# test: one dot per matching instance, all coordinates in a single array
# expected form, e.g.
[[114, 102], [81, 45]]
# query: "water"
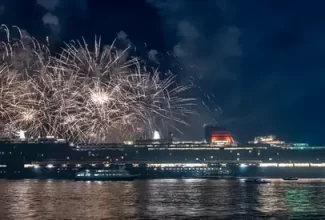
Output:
[[162, 199]]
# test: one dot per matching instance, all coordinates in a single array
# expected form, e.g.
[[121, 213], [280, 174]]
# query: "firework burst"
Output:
[[85, 95]]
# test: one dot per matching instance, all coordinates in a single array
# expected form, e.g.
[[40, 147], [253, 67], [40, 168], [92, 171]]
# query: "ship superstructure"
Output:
[[52, 158]]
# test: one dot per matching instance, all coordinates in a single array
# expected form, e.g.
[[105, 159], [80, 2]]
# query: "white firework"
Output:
[[86, 95]]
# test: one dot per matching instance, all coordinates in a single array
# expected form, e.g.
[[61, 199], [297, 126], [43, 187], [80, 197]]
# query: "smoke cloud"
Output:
[[50, 20], [48, 4], [209, 51], [153, 56]]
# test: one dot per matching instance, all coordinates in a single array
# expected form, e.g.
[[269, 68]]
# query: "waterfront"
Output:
[[156, 199]]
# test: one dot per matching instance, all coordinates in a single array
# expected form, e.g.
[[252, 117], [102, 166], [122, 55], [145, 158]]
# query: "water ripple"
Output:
[[161, 199]]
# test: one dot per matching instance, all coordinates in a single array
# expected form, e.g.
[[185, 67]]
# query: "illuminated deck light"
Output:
[[49, 166], [268, 165]]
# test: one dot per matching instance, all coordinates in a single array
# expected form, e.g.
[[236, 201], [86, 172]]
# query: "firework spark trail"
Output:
[[84, 95]]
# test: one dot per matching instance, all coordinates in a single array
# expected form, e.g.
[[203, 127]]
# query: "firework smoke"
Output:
[[84, 95]]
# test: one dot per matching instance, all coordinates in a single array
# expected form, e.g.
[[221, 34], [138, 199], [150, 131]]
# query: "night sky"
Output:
[[259, 67]]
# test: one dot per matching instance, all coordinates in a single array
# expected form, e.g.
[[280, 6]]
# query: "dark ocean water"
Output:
[[162, 199]]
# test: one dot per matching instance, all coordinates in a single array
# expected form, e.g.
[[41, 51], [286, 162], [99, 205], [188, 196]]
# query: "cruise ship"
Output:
[[218, 156]]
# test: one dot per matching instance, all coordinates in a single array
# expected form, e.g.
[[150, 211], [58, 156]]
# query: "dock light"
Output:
[[49, 166], [36, 166], [243, 165]]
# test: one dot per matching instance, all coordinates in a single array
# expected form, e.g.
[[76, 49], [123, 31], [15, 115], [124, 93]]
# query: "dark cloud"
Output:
[[50, 20], [153, 56], [204, 48], [2, 10], [57, 15], [208, 50], [260, 60], [257, 67], [123, 39], [48, 4]]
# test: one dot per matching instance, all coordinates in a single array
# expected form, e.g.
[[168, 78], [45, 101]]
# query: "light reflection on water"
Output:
[[156, 199]]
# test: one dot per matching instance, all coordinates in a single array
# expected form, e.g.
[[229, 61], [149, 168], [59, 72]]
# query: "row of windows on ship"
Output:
[[171, 154], [161, 168], [188, 147], [188, 168], [91, 154], [109, 171], [122, 157], [101, 174]]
